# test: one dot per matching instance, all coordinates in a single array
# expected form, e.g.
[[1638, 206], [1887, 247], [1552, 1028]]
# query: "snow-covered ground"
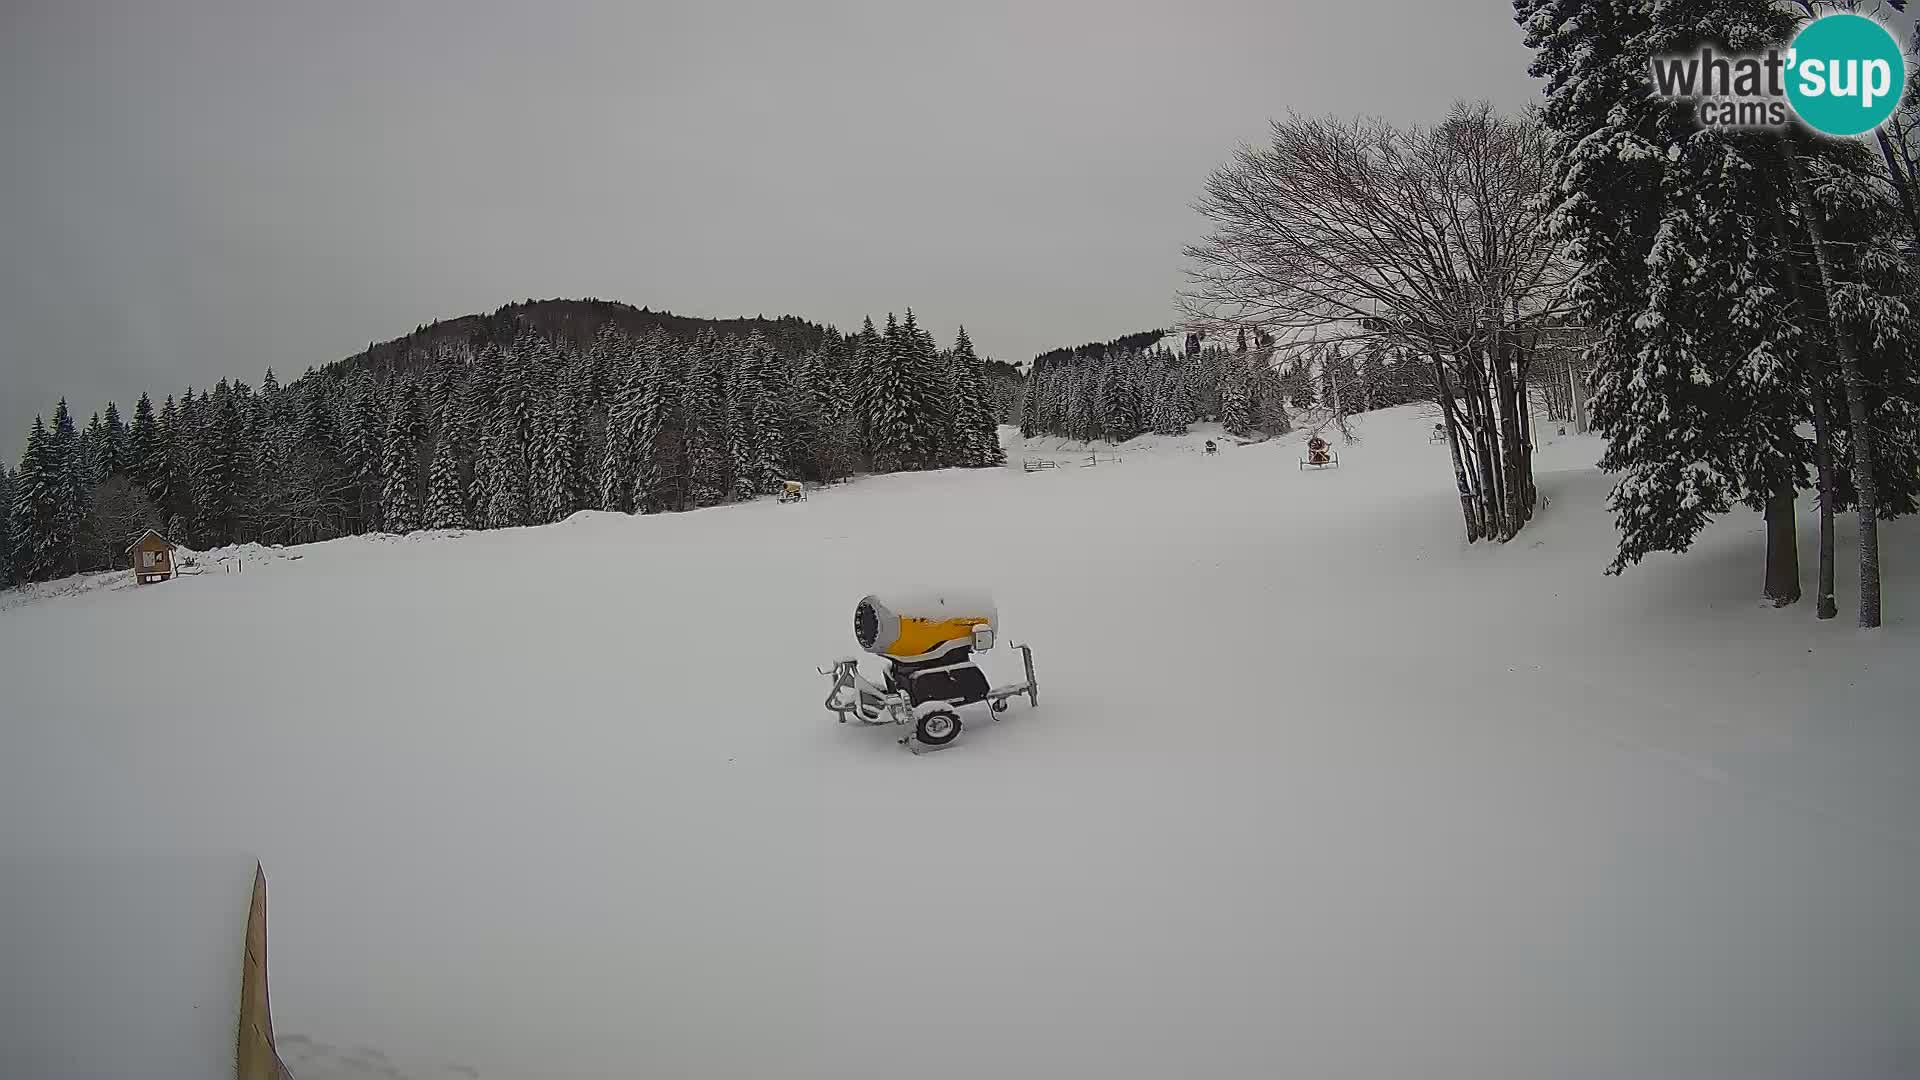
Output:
[[1313, 788]]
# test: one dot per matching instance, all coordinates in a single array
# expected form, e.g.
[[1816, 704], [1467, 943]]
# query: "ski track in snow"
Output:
[[1314, 788]]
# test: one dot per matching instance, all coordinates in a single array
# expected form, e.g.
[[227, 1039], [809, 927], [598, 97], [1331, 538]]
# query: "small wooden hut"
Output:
[[151, 557]]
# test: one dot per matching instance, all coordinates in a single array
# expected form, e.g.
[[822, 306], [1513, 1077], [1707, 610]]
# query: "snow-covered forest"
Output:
[[1140, 383], [511, 424]]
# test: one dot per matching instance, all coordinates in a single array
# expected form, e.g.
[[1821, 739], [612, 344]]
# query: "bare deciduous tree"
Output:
[[1428, 242]]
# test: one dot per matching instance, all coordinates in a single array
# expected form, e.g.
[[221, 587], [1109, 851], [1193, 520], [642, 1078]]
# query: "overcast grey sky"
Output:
[[193, 189]]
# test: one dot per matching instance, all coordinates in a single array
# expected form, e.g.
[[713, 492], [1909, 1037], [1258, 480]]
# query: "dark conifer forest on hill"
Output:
[[522, 416]]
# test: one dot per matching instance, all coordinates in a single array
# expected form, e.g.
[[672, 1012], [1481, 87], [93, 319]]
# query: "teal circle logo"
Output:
[[1845, 74]]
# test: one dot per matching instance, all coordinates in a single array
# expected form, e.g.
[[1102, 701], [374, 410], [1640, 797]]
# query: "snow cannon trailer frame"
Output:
[[928, 645]]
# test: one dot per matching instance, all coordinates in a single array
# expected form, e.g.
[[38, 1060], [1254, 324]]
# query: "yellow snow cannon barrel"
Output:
[[921, 626]]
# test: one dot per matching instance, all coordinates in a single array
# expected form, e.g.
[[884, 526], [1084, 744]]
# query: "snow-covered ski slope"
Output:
[[1313, 788]]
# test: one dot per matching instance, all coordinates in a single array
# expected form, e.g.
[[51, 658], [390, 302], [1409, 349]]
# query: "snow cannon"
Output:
[[915, 628], [927, 640]]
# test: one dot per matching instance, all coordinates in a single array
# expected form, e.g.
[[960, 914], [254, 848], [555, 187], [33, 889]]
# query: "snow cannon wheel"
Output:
[[937, 727]]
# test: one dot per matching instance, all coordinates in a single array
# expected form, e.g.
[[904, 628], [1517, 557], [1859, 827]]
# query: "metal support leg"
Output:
[[1033, 684]]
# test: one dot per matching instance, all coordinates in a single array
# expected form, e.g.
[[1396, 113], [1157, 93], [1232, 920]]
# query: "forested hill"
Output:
[[1125, 343], [521, 417], [569, 323]]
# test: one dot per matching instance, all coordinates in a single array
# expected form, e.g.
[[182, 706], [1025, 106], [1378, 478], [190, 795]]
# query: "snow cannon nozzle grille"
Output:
[[866, 624]]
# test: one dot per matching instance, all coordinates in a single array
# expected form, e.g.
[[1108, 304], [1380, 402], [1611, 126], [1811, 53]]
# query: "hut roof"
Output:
[[143, 539]]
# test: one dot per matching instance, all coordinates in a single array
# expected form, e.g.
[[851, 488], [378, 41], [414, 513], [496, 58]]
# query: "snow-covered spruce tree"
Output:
[[1153, 377], [1206, 371], [113, 450], [1059, 403], [440, 383], [143, 438], [702, 424], [446, 488], [753, 435], [400, 504], [960, 410], [884, 398], [778, 457], [500, 478], [93, 449], [736, 424], [833, 419], [184, 442], [979, 427], [806, 409], [660, 372], [220, 477], [1077, 394], [323, 486], [902, 425], [1236, 398], [160, 472], [1110, 401], [919, 376], [68, 477], [590, 387], [40, 492], [6, 525], [473, 405], [502, 491], [271, 457], [1269, 395], [89, 471], [521, 390], [618, 354], [869, 352], [558, 478], [1033, 406], [608, 363], [362, 419], [1167, 407], [1679, 284], [950, 443]]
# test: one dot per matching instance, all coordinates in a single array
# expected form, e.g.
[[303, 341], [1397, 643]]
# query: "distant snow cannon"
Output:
[[927, 639]]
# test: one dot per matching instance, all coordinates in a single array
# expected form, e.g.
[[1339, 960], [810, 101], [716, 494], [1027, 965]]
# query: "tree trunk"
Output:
[[1468, 511], [1866, 491], [1823, 606], [1506, 370], [1577, 387], [1480, 412], [1512, 436], [1531, 494], [1783, 549]]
